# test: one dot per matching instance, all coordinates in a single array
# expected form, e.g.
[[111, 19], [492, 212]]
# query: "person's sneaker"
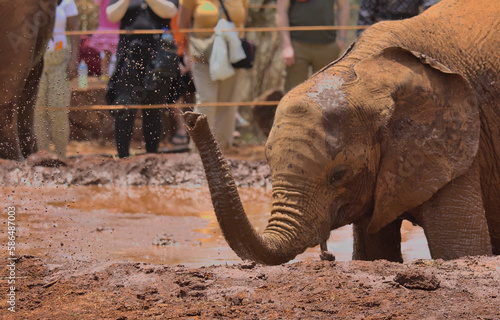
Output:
[[179, 139]]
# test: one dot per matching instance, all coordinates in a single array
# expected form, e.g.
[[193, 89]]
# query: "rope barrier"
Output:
[[273, 6], [211, 30], [172, 105], [261, 6]]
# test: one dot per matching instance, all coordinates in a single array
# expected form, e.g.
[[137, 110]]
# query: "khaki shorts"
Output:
[[309, 55]]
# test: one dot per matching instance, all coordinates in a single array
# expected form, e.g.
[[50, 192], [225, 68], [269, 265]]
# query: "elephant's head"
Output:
[[366, 137]]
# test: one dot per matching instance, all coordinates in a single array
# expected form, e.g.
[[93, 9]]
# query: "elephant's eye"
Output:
[[337, 175]]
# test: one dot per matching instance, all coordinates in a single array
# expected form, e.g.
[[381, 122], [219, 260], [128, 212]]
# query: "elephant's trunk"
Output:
[[280, 242]]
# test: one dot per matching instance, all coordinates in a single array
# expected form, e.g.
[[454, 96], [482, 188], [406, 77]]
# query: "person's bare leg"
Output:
[[105, 61]]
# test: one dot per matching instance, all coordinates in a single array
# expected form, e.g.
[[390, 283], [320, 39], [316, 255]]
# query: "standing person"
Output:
[[372, 11], [105, 43], [205, 14], [304, 49], [54, 93], [133, 81]]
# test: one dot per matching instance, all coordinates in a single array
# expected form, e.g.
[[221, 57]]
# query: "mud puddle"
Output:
[[160, 225]]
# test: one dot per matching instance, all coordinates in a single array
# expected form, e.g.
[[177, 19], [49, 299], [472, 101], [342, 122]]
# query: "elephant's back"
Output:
[[460, 34]]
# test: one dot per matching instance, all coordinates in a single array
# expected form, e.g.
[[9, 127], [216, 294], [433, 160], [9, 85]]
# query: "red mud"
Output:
[[101, 238]]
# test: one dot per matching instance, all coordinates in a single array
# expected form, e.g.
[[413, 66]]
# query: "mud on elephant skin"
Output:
[[25, 29], [404, 126]]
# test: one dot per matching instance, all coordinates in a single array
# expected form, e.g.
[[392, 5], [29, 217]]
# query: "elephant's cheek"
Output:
[[357, 199]]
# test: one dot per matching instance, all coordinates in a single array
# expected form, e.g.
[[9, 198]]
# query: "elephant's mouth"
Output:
[[339, 215]]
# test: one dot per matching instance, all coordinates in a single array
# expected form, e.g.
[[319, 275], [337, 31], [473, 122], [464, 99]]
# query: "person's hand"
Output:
[[288, 56], [72, 69], [186, 66], [341, 44]]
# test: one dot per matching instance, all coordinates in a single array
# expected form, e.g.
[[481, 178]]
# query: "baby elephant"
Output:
[[406, 125]]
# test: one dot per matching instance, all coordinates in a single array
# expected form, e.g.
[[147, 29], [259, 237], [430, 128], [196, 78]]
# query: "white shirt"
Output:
[[66, 9]]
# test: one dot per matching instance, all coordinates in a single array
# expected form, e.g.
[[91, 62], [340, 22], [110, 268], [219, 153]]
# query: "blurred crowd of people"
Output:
[[133, 79]]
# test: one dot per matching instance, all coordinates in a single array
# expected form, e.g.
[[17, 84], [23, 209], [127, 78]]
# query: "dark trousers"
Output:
[[151, 129], [134, 83]]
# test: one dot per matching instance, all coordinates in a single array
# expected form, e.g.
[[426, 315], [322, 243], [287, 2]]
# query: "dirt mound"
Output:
[[44, 169], [304, 290]]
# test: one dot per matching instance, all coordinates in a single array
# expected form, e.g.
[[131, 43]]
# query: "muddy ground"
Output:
[[70, 264]]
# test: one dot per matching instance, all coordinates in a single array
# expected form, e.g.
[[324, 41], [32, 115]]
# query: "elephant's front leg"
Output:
[[384, 244], [25, 121], [454, 219], [9, 139]]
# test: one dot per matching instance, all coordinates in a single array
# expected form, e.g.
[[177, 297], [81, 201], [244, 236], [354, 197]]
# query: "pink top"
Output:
[[104, 23]]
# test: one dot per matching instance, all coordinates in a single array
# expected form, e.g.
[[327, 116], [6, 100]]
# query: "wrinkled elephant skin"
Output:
[[406, 125], [25, 29]]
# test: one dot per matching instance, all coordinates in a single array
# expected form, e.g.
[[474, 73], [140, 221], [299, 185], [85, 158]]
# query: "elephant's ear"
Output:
[[429, 133]]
